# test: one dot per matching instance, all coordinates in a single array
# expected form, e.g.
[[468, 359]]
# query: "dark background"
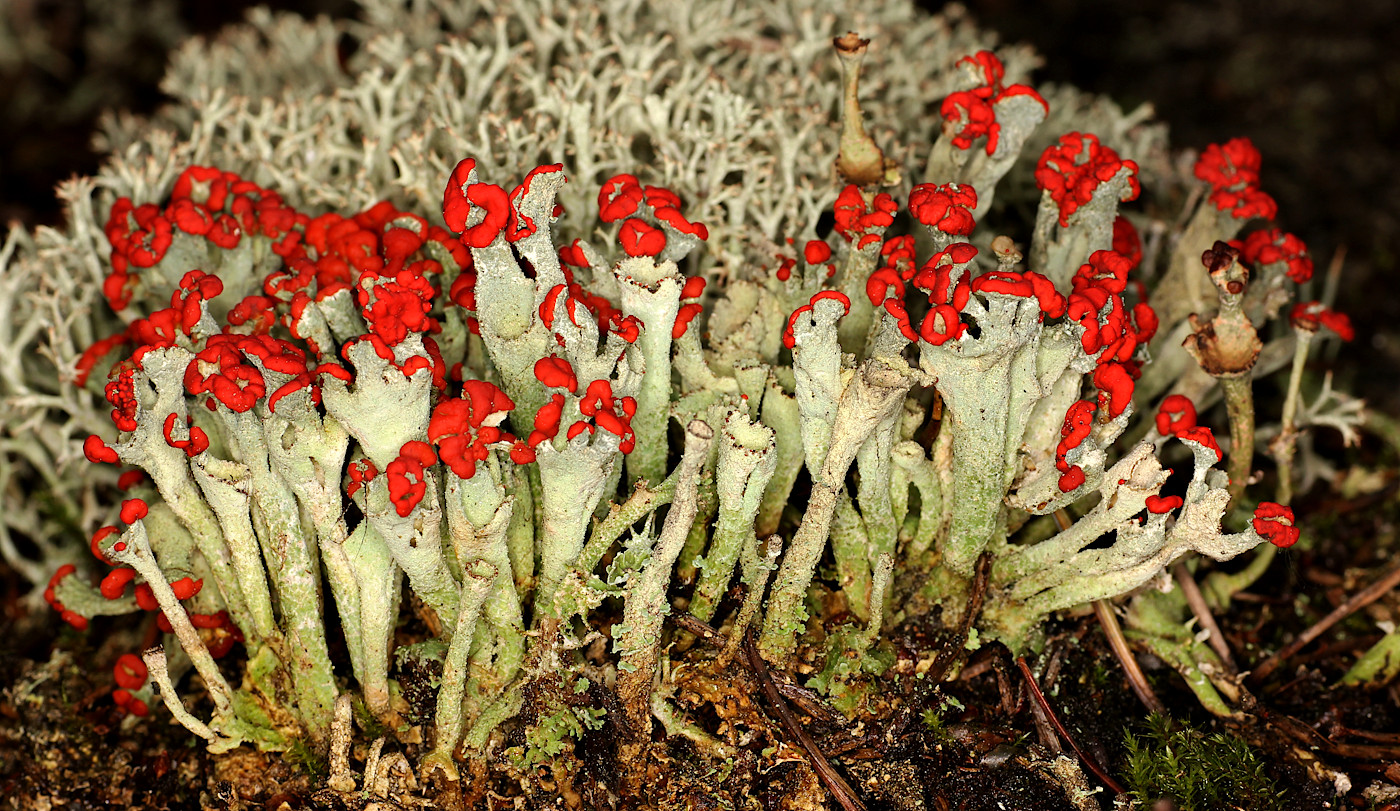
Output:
[[1315, 85]]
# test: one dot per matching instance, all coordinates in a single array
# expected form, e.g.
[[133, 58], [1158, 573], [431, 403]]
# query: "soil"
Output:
[[1315, 89]]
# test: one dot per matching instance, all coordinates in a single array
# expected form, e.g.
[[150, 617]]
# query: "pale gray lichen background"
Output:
[[733, 105]]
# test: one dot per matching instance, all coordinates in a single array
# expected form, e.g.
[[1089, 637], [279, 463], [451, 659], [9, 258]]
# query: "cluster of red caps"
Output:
[[219, 632], [206, 204], [1074, 167], [1232, 170], [974, 110]]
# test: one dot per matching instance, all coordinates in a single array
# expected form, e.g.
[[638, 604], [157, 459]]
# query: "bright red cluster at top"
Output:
[[862, 223], [206, 205], [624, 198], [1268, 246], [1313, 315], [947, 207], [1232, 170], [974, 111], [1074, 167]]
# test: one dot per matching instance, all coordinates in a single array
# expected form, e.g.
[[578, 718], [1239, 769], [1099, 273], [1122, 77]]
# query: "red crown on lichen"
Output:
[[1274, 522], [1232, 170], [972, 112], [1074, 167]]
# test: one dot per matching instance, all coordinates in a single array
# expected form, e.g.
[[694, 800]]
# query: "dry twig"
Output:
[[1357, 601], [1090, 763]]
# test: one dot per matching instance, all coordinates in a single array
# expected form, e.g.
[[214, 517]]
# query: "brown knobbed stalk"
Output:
[[1226, 347], [860, 160]]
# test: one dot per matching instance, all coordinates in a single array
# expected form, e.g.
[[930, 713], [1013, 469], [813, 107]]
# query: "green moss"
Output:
[[1197, 772]]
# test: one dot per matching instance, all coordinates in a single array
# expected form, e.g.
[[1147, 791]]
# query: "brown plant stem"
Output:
[[1203, 615], [1104, 777], [834, 782]]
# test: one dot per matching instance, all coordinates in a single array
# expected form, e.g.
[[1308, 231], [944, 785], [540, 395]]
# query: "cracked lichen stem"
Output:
[[448, 722], [645, 608], [160, 675]]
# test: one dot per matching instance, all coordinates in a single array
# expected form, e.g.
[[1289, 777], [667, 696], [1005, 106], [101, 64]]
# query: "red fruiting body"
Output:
[[973, 109], [1234, 163], [574, 255], [628, 328], [407, 477], [1073, 168], [884, 284], [145, 598], [362, 471], [98, 538], [1274, 522], [76, 620], [941, 325], [186, 587], [936, 276], [947, 207], [520, 226], [1126, 242], [694, 287], [464, 429], [521, 453], [399, 306], [1071, 479], [671, 216], [896, 308], [121, 393], [114, 584], [1313, 315], [98, 452], [1115, 385], [547, 420], [460, 198], [1232, 170], [1025, 284], [1176, 414], [789, 339], [1269, 246], [640, 239], [1203, 436], [1162, 504], [785, 266], [619, 197], [129, 671], [220, 369], [556, 372], [133, 510], [856, 222], [612, 415], [1079, 422], [683, 318], [816, 251]]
